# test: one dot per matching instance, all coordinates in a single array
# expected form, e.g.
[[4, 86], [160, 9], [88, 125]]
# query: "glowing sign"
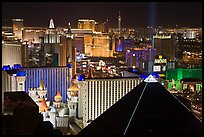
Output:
[[162, 37], [160, 61], [157, 68]]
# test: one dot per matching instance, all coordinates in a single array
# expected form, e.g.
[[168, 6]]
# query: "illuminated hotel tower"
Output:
[[119, 22], [96, 95], [51, 36], [68, 51], [18, 28]]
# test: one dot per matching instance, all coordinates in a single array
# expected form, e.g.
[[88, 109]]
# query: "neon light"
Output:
[[81, 78], [6, 67], [16, 66], [21, 73], [69, 65]]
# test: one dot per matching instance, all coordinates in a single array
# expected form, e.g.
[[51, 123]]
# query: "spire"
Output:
[[69, 33], [51, 26], [42, 86], [119, 22], [58, 97], [58, 93], [43, 106]]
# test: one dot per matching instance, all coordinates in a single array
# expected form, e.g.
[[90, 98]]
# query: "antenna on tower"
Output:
[[119, 22]]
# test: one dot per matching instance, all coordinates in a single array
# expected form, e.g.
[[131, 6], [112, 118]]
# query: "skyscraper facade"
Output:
[[97, 95]]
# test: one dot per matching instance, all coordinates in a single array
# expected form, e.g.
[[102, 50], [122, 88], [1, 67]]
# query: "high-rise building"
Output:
[[97, 95], [33, 34], [140, 58], [51, 35], [11, 53], [98, 45], [67, 50], [86, 24], [165, 45], [18, 28], [14, 82], [55, 78]]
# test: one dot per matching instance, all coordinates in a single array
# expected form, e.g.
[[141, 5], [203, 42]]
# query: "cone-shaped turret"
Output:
[[58, 97], [42, 85], [51, 26], [73, 90], [43, 106]]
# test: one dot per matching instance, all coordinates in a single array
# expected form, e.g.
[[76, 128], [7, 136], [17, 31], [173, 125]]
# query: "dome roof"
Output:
[[73, 88], [58, 94], [53, 109]]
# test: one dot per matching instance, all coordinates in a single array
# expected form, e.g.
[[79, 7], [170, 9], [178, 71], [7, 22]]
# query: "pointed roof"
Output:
[[51, 25], [42, 85], [150, 79], [148, 109], [43, 106], [58, 94], [73, 88]]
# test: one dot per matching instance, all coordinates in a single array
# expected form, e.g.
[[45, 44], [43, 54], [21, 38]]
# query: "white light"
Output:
[[150, 79], [133, 54]]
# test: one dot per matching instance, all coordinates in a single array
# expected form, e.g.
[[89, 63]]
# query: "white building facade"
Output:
[[97, 95]]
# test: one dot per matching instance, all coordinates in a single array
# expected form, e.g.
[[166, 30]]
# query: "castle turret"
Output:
[[42, 91], [72, 100], [43, 106], [58, 100]]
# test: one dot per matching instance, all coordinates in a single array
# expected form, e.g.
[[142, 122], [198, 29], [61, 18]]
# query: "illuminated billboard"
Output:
[[162, 61], [157, 68]]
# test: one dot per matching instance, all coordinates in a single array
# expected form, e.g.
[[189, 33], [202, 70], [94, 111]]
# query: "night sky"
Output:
[[134, 14]]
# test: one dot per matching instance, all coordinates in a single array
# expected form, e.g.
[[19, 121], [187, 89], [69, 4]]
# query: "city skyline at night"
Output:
[[69, 68], [134, 14]]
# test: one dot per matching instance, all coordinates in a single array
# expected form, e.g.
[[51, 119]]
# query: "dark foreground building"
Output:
[[21, 116], [149, 109]]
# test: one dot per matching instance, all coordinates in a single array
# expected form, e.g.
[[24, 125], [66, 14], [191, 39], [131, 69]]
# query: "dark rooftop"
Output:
[[149, 109]]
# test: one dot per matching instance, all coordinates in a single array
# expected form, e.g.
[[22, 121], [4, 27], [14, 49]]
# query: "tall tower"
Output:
[[68, 51], [119, 22]]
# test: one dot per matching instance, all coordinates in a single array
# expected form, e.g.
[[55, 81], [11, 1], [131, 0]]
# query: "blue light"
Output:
[[6, 67], [16, 66], [134, 70], [21, 73], [69, 65], [154, 74], [144, 76], [81, 78]]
